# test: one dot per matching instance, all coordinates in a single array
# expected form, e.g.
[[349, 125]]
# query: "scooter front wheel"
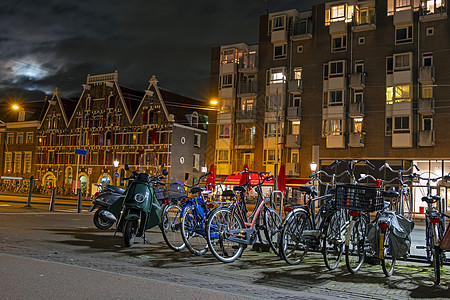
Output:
[[99, 222], [129, 232]]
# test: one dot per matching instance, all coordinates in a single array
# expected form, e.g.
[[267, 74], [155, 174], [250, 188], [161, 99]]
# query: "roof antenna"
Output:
[[267, 6]]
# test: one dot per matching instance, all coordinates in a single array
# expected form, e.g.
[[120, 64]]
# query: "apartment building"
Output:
[[346, 79], [111, 122]]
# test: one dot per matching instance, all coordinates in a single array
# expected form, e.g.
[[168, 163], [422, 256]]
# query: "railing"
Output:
[[246, 114], [302, 27], [248, 87], [103, 77], [294, 112], [426, 105], [295, 86], [364, 17]]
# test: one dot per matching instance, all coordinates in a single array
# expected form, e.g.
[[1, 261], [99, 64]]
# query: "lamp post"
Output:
[[116, 165], [21, 110]]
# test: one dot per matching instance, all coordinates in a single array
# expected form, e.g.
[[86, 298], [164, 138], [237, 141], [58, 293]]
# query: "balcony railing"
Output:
[[248, 63], [295, 86], [358, 81], [293, 140], [364, 19], [302, 30], [249, 115], [432, 13], [245, 141], [356, 139], [426, 75], [248, 87], [426, 138], [294, 113], [426, 106], [356, 110]]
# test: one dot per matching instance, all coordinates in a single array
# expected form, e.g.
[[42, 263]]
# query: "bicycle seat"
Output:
[[309, 189], [239, 188], [228, 193], [391, 193], [431, 199], [197, 189]]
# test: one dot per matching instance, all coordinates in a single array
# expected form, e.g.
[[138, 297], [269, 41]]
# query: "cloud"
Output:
[[49, 43]]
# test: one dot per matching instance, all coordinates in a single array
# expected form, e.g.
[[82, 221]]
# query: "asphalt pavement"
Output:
[[54, 255]]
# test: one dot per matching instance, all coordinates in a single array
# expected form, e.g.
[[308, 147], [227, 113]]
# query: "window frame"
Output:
[[283, 54], [402, 67], [343, 43], [334, 73], [409, 34], [404, 122]]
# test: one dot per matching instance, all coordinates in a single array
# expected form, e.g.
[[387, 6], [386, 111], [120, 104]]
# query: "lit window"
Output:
[[277, 75], [269, 156], [389, 95], [427, 92], [228, 56], [222, 156], [224, 131], [337, 13], [333, 127], [357, 125], [20, 138], [270, 130], [401, 93]]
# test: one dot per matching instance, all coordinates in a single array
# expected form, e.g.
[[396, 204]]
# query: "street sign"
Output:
[[89, 171], [80, 152], [116, 175]]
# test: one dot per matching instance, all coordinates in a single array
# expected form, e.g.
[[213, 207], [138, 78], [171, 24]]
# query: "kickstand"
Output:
[[145, 240]]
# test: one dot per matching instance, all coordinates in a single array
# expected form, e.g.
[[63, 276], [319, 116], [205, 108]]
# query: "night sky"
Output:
[[57, 43]]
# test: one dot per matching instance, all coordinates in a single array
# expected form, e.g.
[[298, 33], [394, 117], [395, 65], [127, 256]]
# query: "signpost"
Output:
[[79, 152]]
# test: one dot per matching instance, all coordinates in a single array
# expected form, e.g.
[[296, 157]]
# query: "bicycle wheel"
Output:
[[219, 225], [171, 227], [193, 230], [386, 258], [260, 230], [292, 246], [333, 242], [272, 224], [354, 251], [435, 253]]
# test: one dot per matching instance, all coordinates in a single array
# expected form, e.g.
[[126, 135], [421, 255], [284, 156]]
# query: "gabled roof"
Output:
[[131, 98], [66, 106]]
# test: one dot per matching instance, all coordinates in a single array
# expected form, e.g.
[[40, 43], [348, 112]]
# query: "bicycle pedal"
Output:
[[421, 247]]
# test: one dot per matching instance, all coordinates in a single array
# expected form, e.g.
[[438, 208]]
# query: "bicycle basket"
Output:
[[177, 190], [359, 198], [160, 193]]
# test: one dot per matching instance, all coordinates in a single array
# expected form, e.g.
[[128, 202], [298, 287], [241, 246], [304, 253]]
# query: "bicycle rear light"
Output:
[[353, 213], [383, 225], [435, 220]]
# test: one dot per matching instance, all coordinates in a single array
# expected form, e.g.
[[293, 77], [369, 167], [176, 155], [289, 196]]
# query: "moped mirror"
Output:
[[126, 167], [186, 176], [163, 165], [165, 172]]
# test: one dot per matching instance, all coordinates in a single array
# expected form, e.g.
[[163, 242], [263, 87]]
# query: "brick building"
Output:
[[114, 123], [346, 79]]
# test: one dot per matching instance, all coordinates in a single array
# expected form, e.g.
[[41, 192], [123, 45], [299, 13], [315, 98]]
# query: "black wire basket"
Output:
[[359, 198]]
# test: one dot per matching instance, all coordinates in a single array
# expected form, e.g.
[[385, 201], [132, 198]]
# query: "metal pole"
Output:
[[30, 189], [52, 200], [80, 202], [76, 178]]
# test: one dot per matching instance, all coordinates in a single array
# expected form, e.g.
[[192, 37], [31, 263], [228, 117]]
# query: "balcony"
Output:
[[358, 81], [279, 36], [247, 88], [434, 14], [403, 17], [293, 141], [335, 141], [401, 140], [356, 140], [293, 169], [295, 86], [426, 106], [245, 141], [426, 138], [248, 63], [365, 19], [426, 75], [246, 116], [356, 110], [294, 113], [339, 27], [302, 30]]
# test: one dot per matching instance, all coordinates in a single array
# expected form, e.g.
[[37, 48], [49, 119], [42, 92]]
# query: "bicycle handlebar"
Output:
[[387, 166]]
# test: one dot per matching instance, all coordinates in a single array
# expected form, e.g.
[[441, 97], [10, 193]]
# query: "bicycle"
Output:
[[229, 230], [434, 226], [302, 229]]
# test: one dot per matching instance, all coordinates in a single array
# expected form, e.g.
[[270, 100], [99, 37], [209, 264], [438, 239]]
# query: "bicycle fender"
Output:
[[132, 217], [291, 215]]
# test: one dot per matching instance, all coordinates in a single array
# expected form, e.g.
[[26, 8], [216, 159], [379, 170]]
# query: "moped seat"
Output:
[[115, 189], [239, 188]]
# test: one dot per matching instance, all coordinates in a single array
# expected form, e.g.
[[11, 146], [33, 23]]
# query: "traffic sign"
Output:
[[116, 175], [89, 171], [80, 152]]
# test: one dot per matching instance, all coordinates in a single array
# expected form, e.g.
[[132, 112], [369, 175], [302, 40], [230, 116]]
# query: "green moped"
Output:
[[138, 208]]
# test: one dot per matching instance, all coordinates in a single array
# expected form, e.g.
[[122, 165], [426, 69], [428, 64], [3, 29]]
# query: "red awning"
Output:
[[290, 182]]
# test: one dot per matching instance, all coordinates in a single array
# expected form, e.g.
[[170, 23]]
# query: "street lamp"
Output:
[[214, 102], [21, 111], [313, 167], [116, 163]]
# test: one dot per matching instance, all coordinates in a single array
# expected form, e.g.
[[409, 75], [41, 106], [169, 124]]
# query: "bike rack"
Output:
[[272, 196]]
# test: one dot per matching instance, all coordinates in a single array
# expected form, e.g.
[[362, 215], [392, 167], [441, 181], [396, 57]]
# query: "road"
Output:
[[53, 255]]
